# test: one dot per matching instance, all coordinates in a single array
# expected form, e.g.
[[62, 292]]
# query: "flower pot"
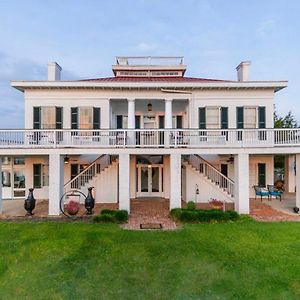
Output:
[[72, 208]]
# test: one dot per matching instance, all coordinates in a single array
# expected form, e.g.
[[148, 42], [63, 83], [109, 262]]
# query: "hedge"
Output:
[[111, 216], [201, 215]]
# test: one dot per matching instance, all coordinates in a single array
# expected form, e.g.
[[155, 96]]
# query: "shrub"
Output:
[[121, 215], [191, 205], [111, 216], [199, 215]]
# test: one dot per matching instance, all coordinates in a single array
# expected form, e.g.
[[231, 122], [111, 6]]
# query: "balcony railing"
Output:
[[147, 138]]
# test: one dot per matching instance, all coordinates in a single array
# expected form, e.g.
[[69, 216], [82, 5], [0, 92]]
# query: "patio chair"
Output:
[[273, 191], [262, 192]]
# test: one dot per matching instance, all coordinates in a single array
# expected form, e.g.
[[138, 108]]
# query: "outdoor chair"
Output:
[[262, 192], [274, 192]]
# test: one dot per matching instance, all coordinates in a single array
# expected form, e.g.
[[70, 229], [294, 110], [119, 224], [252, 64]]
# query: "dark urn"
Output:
[[89, 202], [29, 203], [296, 209]]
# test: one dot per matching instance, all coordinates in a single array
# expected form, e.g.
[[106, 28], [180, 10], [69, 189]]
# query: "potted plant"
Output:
[[72, 207]]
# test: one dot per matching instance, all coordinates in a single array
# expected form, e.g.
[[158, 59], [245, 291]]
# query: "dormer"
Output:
[[149, 66]]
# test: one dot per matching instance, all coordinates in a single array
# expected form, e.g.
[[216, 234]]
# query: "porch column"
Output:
[[168, 113], [1, 204], [131, 119], [298, 180], [124, 182], [175, 181], [241, 183], [56, 183]]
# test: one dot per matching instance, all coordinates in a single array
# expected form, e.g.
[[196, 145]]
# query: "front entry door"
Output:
[[149, 180]]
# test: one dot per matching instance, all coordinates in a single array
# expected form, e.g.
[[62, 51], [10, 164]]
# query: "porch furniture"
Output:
[[261, 191], [274, 192]]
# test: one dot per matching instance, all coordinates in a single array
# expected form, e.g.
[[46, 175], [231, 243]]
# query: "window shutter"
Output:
[[262, 175], [96, 118], [240, 117], [137, 122], [74, 117], [224, 117], [119, 121], [179, 122], [261, 117], [36, 118], [161, 121], [202, 118], [37, 176], [59, 117]]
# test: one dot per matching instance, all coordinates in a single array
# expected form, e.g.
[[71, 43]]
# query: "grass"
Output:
[[242, 260]]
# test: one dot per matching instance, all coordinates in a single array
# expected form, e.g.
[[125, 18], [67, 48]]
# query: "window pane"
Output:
[[212, 117], [19, 161], [19, 179], [250, 117], [37, 169], [6, 181]]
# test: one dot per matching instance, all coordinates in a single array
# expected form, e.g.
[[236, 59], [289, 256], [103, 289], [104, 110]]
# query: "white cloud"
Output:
[[266, 27], [145, 47]]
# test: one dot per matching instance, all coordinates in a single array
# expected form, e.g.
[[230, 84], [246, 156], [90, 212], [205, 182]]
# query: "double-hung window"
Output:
[[85, 117], [47, 117]]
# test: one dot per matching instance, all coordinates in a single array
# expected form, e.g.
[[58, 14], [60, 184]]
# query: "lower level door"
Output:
[[149, 181]]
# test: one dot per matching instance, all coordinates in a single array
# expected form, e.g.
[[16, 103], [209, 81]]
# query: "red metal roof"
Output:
[[154, 79]]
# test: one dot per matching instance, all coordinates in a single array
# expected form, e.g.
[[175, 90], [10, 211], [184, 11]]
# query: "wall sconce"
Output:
[[149, 106], [197, 189], [66, 159]]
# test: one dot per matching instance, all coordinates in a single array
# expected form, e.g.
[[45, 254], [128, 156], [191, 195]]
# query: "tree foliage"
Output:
[[288, 121]]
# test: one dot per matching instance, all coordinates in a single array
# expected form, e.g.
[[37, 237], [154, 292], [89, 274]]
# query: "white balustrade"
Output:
[[129, 138]]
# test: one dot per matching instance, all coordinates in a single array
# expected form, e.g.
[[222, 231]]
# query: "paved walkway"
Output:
[[149, 211]]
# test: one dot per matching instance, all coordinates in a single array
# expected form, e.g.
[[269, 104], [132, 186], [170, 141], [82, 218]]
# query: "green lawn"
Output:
[[243, 260]]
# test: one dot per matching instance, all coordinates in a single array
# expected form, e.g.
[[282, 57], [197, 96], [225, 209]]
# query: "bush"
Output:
[[111, 216], [121, 215], [191, 205], [199, 215]]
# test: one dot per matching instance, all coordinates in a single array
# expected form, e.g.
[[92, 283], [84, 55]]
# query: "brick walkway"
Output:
[[263, 212], [149, 210]]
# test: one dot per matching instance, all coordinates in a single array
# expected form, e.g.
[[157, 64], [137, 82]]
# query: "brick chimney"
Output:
[[243, 71], [54, 70]]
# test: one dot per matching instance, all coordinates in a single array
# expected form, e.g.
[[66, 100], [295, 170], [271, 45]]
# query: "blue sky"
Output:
[[85, 36]]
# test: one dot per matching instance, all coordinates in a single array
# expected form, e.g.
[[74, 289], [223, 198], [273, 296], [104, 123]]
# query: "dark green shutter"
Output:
[[119, 121], [36, 118], [240, 117], [37, 176], [262, 175], [261, 117], [96, 117], [179, 122], [74, 117], [224, 117], [137, 122], [59, 117], [202, 118]]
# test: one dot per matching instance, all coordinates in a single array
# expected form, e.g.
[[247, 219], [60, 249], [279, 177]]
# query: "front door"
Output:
[[149, 180]]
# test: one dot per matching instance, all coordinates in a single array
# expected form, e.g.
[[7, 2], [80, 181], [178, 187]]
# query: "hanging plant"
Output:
[[72, 208]]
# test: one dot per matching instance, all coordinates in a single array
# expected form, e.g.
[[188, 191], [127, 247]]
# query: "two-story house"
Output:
[[147, 131]]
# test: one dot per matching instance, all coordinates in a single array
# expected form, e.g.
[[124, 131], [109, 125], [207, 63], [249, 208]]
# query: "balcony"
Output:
[[149, 138]]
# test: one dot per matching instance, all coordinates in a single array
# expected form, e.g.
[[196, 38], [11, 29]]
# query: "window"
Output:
[[47, 117], [240, 117], [250, 117], [85, 117], [122, 121], [37, 176], [177, 122], [202, 118], [6, 181], [19, 161], [212, 117], [262, 174]]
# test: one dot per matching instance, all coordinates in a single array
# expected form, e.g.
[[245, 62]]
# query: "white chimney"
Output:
[[54, 70], [243, 71]]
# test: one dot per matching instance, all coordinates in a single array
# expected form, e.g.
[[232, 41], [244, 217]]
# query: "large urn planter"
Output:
[[72, 208], [89, 202], [29, 203]]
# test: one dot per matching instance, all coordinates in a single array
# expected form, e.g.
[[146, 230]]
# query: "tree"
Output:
[[288, 121]]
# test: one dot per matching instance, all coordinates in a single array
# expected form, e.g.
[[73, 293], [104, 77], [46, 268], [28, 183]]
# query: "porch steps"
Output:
[[211, 174]]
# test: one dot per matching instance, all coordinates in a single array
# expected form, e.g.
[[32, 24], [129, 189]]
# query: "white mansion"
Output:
[[148, 131]]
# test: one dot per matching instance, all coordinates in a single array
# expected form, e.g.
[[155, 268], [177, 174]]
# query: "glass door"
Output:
[[149, 180]]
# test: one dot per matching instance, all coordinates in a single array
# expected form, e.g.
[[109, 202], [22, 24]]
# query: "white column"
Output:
[[298, 180], [1, 204], [131, 113], [241, 183], [56, 182], [175, 181], [289, 176], [124, 182], [168, 113]]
